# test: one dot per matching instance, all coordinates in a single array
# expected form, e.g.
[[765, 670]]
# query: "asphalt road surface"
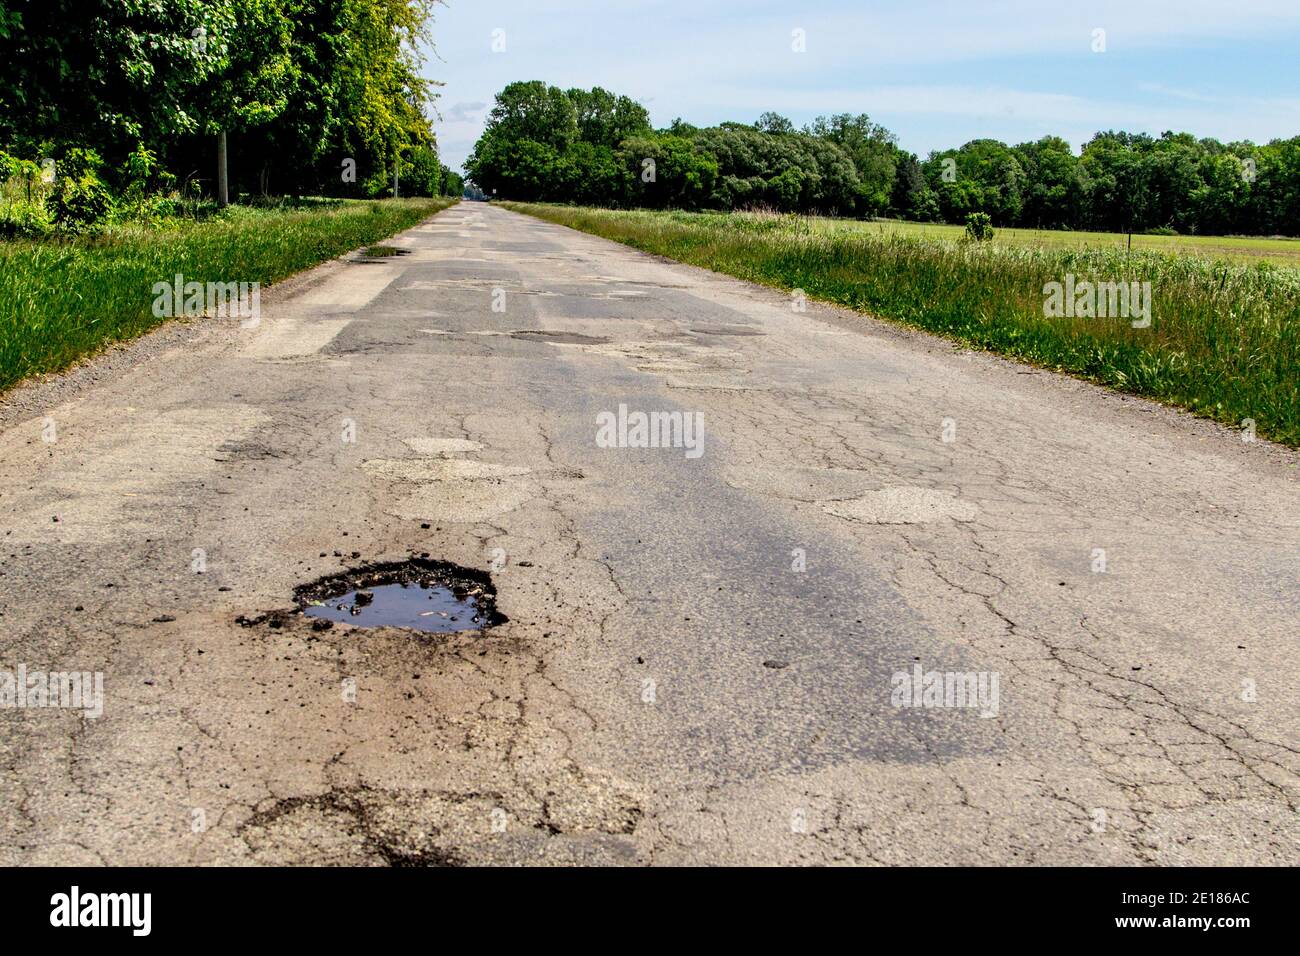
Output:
[[711, 646]]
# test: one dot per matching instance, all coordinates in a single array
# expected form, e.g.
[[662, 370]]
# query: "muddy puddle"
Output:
[[424, 595]]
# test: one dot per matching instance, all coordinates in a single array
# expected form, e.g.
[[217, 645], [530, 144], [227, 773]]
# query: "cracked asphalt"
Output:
[[701, 655]]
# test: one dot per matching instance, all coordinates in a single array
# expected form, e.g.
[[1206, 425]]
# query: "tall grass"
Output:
[[63, 299], [1224, 340]]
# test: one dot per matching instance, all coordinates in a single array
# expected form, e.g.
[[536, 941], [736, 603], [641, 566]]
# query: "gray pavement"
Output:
[[706, 653]]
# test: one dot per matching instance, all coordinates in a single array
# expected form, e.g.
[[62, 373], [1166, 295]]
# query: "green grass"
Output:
[[1224, 340], [61, 300], [1280, 251]]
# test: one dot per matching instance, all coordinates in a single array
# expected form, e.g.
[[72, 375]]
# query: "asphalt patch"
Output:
[[564, 338]]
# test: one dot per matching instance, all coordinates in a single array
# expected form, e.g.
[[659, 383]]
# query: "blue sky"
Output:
[[936, 73]]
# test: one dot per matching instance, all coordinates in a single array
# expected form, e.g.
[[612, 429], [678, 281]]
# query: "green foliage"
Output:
[[979, 227], [421, 173], [788, 170], [533, 112], [24, 220], [453, 184], [668, 171], [874, 153], [605, 119], [542, 143], [296, 84], [79, 204], [80, 201]]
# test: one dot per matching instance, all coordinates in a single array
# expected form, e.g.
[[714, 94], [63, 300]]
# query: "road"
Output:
[[709, 648]]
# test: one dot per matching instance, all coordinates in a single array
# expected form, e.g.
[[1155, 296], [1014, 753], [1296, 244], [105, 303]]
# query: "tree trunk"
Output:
[[223, 182], [397, 161]]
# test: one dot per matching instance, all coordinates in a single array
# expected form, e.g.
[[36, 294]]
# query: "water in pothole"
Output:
[[426, 608], [422, 595]]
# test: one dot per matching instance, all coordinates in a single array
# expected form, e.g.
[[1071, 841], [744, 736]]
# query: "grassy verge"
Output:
[[1224, 338], [1248, 249], [63, 300]]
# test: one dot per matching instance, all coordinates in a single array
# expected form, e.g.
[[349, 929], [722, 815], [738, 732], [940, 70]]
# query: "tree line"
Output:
[[594, 147], [319, 97]]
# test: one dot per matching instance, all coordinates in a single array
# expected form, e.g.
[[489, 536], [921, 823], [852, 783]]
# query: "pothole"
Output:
[[384, 252], [421, 594]]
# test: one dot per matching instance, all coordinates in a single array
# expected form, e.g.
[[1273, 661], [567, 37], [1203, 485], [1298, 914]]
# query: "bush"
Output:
[[378, 184], [979, 227], [77, 163], [24, 221], [78, 200], [79, 204], [421, 174]]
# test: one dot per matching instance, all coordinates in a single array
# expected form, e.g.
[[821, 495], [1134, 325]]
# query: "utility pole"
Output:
[[223, 183]]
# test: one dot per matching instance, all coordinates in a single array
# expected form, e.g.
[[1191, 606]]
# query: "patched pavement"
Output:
[[722, 651]]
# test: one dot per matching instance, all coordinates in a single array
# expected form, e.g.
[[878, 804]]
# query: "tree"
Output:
[[669, 171], [533, 111], [256, 67], [130, 78], [605, 119], [304, 83], [1054, 190], [874, 152], [422, 173], [774, 123], [595, 147]]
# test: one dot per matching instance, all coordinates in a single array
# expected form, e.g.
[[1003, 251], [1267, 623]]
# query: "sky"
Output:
[[935, 72]]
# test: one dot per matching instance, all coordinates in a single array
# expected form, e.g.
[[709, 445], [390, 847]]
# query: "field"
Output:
[[1238, 248], [1224, 335], [61, 300]]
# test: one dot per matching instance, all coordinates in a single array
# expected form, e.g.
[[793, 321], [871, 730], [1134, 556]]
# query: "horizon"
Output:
[[937, 74]]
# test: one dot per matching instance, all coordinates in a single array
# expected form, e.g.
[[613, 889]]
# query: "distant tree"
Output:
[[593, 146], [873, 151], [533, 111], [753, 168], [453, 184], [1054, 189], [983, 176], [668, 171], [605, 119], [421, 173], [774, 123], [1275, 200]]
